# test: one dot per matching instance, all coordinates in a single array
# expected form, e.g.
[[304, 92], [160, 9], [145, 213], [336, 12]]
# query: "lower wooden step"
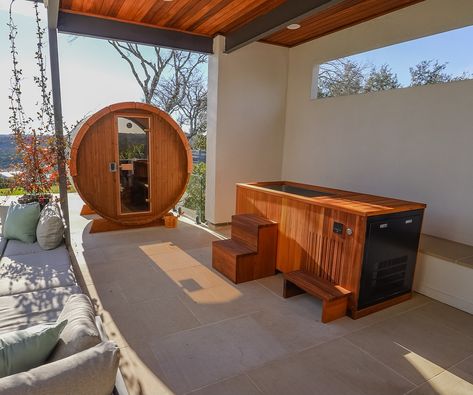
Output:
[[233, 260], [334, 298]]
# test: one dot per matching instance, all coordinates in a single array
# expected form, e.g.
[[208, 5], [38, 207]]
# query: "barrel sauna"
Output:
[[130, 163]]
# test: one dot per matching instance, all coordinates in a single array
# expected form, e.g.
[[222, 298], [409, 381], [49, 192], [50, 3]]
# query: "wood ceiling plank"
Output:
[[341, 16], [243, 11], [66, 4], [199, 11], [156, 9], [181, 7], [256, 12]]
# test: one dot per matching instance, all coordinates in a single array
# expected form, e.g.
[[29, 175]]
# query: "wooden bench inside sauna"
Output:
[[130, 163], [355, 252]]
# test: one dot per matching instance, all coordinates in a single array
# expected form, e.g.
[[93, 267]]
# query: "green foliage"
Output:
[[343, 77], [381, 79], [134, 151], [199, 142], [195, 193], [432, 72]]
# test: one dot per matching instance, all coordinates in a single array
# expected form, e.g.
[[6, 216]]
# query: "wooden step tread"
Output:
[[252, 220], [316, 286], [233, 247]]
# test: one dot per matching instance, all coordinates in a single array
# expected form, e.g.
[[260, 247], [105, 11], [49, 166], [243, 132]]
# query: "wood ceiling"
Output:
[[345, 14], [205, 17], [212, 17]]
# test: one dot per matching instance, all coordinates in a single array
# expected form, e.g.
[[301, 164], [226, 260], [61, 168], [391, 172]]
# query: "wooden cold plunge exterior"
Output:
[[306, 240], [95, 147]]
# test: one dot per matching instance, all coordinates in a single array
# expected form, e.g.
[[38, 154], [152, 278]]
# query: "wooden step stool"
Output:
[[250, 253], [334, 298]]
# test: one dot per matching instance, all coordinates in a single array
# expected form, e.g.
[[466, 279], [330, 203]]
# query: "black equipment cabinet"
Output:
[[390, 256]]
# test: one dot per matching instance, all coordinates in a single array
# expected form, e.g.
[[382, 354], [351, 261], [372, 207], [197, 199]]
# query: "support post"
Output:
[[58, 126]]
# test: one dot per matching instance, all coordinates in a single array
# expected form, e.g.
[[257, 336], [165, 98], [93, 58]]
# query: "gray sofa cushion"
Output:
[[3, 244], [80, 332], [23, 310], [50, 229], [90, 372], [33, 272], [3, 215], [17, 247]]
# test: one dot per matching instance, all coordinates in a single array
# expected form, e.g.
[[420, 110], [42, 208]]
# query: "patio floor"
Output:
[[183, 328]]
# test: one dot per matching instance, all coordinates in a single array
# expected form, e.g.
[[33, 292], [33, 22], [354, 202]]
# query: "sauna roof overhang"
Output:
[[192, 24]]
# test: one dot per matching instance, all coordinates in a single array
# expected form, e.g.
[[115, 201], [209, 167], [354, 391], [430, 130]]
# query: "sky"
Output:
[[93, 75], [454, 47]]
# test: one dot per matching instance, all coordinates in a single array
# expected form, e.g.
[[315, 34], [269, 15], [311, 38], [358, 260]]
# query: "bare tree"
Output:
[[148, 73], [340, 77], [172, 80], [193, 107]]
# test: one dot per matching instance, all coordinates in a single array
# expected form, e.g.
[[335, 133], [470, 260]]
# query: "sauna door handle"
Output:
[[112, 167]]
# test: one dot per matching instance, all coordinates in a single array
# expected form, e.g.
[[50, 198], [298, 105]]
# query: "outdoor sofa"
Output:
[[39, 286]]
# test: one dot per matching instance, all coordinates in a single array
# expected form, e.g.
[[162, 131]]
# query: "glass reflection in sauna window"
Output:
[[133, 154]]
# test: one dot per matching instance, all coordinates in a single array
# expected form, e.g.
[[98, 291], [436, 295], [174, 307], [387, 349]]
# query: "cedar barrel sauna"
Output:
[[130, 163]]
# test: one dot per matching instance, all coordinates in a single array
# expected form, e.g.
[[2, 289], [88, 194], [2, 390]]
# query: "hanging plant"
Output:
[[36, 171]]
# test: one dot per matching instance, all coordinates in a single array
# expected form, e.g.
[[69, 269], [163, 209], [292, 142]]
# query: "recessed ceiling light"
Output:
[[293, 26]]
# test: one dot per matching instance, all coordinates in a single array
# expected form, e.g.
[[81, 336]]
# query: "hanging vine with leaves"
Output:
[[34, 137]]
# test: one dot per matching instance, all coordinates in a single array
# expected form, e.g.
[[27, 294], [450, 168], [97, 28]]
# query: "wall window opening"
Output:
[[435, 59]]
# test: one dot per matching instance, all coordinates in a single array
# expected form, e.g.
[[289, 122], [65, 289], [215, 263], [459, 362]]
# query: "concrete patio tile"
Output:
[[165, 316], [296, 327], [457, 381], [177, 259], [450, 316], [150, 249], [414, 345], [148, 285], [195, 278], [239, 385], [141, 372], [195, 358], [227, 301], [273, 283], [202, 254], [336, 367]]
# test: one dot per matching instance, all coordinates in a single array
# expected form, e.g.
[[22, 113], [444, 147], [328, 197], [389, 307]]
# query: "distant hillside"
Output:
[[7, 151]]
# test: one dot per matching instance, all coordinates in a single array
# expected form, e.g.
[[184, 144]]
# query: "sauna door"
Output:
[[133, 164]]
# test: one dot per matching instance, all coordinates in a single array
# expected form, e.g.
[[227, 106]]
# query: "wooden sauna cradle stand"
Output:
[[356, 252], [130, 163]]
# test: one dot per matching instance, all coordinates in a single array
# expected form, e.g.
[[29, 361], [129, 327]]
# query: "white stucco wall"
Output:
[[246, 110], [413, 143]]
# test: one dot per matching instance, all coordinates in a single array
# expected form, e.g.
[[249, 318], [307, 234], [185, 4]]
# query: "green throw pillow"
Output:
[[28, 348], [21, 222]]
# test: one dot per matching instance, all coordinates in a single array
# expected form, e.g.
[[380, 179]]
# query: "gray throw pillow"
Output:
[[50, 229], [90, 372], [21, 222], [80, 333], [27, 348]]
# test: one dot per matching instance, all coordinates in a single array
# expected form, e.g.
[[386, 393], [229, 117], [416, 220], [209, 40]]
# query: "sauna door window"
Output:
[[133, 156]]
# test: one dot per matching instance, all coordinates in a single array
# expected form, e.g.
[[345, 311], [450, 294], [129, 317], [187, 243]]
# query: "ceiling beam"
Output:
[[291, 11], [109, 29]]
